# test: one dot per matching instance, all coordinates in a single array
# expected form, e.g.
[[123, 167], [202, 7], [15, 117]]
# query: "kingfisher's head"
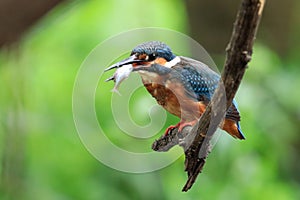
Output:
[[143, 56]]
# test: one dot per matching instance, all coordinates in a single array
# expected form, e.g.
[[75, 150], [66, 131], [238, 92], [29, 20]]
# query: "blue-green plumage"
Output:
[[198, 83], [154, 49]]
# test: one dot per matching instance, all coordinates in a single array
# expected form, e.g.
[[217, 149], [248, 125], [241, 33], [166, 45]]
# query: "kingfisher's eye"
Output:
[[151, 57]]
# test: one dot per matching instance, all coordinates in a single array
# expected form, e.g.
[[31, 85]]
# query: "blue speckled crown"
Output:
[[159, 49]]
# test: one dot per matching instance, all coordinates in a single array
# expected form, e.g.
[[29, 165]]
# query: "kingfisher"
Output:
[[181, 85]]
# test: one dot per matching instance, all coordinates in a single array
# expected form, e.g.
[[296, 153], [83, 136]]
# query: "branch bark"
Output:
[[196, 140]]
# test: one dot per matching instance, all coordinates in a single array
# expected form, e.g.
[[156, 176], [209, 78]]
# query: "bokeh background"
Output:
[[42, 156]]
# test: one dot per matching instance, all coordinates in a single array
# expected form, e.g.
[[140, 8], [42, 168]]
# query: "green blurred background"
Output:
[[42, 156]]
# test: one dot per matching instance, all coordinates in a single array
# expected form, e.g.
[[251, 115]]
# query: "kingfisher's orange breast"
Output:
[[172, 97], [164, 97]]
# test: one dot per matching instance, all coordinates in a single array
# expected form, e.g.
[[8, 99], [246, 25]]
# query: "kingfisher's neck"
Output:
[[150, 77], [156, 72]]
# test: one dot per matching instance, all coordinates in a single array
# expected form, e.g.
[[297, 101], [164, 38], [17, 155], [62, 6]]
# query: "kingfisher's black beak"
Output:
[[130, 60]]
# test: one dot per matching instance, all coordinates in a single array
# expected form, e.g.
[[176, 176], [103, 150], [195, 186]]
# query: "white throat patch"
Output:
[[173, 62]]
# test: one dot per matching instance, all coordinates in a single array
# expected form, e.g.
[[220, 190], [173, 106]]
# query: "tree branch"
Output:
[[196, 140]]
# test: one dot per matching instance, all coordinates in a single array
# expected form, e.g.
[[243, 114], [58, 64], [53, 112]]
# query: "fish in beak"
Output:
[[124, 69], [119, 76]]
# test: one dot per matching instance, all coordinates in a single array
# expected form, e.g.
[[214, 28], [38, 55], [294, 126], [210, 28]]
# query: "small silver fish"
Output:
[[119, 76]]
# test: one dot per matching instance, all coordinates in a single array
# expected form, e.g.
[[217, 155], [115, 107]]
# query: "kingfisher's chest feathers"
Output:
[[170, 93], [158, 87]]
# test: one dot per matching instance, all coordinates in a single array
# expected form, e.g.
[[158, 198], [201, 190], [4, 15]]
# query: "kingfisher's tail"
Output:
[[233, 128], [231, 122]]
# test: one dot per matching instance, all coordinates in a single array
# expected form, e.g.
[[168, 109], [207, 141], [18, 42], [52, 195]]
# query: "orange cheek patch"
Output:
[[160, 61]]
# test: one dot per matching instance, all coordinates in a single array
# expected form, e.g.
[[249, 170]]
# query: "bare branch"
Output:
[[239, 51]]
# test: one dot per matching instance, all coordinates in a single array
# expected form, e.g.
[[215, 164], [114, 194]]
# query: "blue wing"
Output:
[[200, 83], [198, 79]]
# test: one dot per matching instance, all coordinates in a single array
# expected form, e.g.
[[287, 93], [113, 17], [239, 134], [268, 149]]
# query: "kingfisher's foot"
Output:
[[170, 128], [180, 126], [184, 124]]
